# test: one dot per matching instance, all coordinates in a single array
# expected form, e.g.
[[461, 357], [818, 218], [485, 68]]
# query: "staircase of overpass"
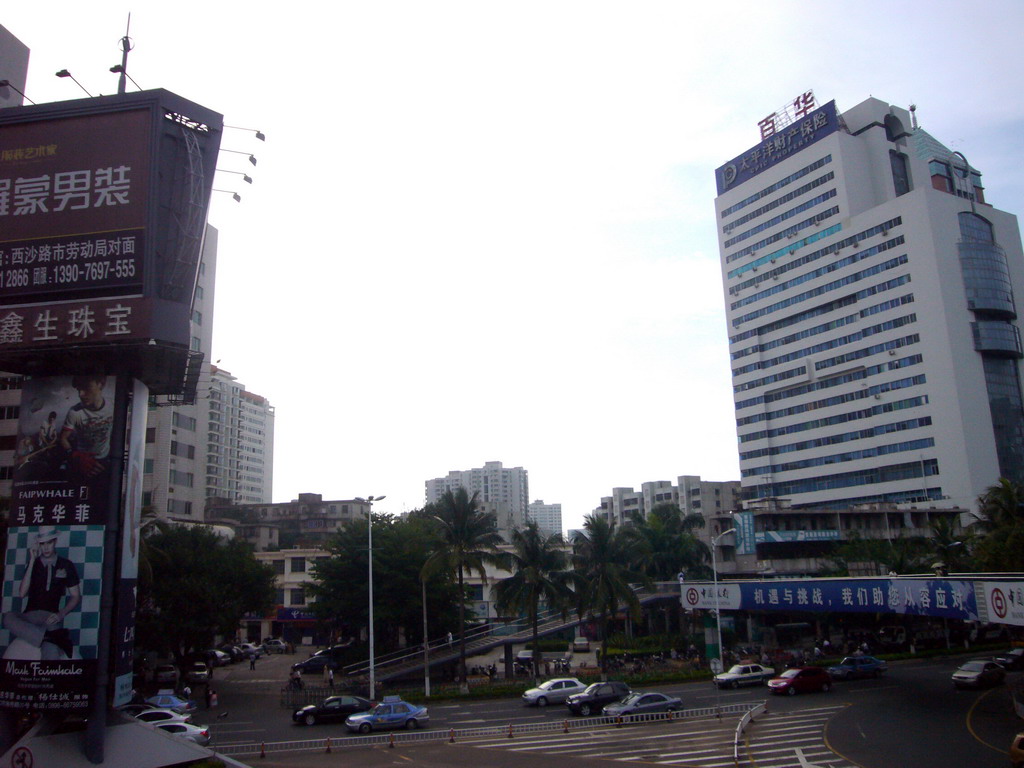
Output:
[[488, 637]]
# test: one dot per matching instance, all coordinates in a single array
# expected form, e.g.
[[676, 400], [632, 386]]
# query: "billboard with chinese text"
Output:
[[101, 237], [778, 146], [946, 598]]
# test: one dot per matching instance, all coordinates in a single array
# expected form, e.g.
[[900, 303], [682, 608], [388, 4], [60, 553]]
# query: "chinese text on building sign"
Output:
[[795, 110]]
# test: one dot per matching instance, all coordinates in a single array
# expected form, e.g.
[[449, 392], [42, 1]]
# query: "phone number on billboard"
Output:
[[88, 273]]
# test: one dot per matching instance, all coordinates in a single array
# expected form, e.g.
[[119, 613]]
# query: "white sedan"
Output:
[[744, 674]]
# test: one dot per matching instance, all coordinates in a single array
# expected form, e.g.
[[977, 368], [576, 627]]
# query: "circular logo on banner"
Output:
[[999, 602], [22, 758], [691, 596]]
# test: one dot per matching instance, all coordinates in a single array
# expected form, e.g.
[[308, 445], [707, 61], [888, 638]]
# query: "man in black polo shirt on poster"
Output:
[[51, 590]]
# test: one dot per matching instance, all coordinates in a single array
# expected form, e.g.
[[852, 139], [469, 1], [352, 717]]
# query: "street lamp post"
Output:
[[369, 547], [718, 612]]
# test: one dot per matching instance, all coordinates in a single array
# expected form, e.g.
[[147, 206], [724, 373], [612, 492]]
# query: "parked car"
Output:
[[596, 696], [858, 666], [315, 665], [640, 703], [200, 734], [133, 709], [331, 709], [1011, 660], [744, 674], [233, 652], [580, 645], [157, 716], [198, 673], [166, 674], [250, 650], [978, 673], [168, 700], [1017, 751], [217, 658], [554, 691], [390, 713], [801, 680], [274, 645]]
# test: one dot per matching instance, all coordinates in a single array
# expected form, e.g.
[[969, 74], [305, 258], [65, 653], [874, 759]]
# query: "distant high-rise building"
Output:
[[240, 442], [547, 516], [504, 491], [871, 304], [691, 494]]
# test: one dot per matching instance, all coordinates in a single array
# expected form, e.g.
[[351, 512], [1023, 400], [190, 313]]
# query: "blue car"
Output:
[[170, 701], [858, 666], [390, 713]]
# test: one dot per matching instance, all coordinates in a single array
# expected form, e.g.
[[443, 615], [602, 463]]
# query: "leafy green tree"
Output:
[[202, 585], [401, 547], [604, 560], [950, 544], [899, 554], [665, 543], [467, 539], [539, 564], [1000, 546]]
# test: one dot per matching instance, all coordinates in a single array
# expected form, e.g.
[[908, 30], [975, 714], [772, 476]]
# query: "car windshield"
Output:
[[631, 698], [736, 670], [849, 661], [593, 687], [790, 673], [973, 666], [548, 685]]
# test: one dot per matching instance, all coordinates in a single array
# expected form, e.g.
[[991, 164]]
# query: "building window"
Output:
[[176, 507], [279, 596], [150, 434], [148, 467], [298, 596], [298, 565], [278, 567], [900, 172]]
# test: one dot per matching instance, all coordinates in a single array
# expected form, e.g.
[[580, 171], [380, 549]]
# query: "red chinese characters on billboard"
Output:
[[73, 206]]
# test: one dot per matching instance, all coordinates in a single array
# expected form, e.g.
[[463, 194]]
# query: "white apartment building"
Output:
[[547, 516], [870, 298], [240, 442], [504, 491]]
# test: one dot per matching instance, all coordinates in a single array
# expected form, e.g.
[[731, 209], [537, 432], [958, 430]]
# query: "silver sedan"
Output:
[[554, 691]]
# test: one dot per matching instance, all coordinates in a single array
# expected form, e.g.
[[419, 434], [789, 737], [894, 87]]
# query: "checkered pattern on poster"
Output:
[[83, 546]]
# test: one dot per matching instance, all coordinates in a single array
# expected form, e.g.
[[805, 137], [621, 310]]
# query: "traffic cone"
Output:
[[451, 736]]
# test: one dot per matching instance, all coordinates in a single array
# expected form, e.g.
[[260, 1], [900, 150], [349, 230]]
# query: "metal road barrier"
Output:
[[458, 734], [746, 720]]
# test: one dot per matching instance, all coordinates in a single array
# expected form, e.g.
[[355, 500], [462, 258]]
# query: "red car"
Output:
[[801, 680]]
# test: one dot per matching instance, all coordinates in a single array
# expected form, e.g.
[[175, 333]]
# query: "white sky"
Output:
[[484, 231]]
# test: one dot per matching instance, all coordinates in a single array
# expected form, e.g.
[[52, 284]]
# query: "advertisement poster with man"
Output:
[[50, 604]]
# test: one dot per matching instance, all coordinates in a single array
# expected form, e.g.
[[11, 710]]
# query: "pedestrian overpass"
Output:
[[984, 598]]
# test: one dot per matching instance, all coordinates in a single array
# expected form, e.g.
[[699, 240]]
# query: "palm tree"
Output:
[[1001, 518], [538, 564], [949, 543], [1001, 504], [468, 539], [604, 572], [665, 543]]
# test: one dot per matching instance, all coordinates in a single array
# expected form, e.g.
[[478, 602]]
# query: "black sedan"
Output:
[[333, 708], [1011, 660]]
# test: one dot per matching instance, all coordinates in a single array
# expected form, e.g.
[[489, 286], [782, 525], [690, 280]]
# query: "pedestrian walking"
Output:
[[209, 697], [213, 699], [449, 639], [330, 678], [252, 661]]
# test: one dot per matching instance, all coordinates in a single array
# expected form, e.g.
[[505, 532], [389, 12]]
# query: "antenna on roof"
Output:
[[126, 45], [913, 116]]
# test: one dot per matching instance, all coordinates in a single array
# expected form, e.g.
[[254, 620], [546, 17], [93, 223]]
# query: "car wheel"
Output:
[[542, 701], [585, 710], [791, 691], [734, 684], [826, 687], [310, 719], [365, 728], [411, 724]]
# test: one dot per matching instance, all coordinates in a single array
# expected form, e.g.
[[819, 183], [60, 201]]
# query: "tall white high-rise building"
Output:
[[502, 490], [547, 516], [240, 442], [871, 304]]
